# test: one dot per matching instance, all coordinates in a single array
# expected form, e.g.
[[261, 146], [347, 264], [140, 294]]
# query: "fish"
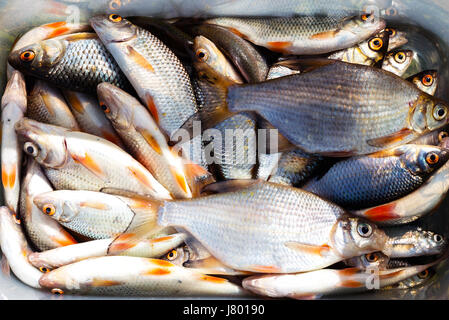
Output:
[[76, 62], [178, 256], [266, 164], [144, 139], [433, 138], [397, 38], [366, 181], [426, 81], [79, 161], [134, 276], [414, 205], [369, 52], [14, 106], [44, 232], [407, 112], [406, 242], [15, 248], [47, 104], [43, 32], [206, 52], [157, 75], [398, 61], [373, 260], [90, 117], [280, 70], [249, 62], [282, 246], [295, 168], [147, 248], [303, 35], [315, 284], [415, 281]]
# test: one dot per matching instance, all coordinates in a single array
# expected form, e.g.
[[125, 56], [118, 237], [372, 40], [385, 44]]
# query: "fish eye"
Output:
[[423, 274], [439, 112], [372, 257], [30, 148], [400, 57], [49, 209], [115, 18], [104, 107], [376, 44], [172, 255], [391, 31], [114, 4], [437, 238], [364, 230], [44, 270], [427, 80], [392, 11], [27, 56], [432, 158], [442, 135], [202, 55], [367, 16], [57, 291]]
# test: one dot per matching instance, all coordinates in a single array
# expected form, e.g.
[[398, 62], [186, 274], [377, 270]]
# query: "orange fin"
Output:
[[279, 46], [265, 269], [81, 36], [94, 205], [349, 271], [110, 136], [389, 274], [139, 59], [149, 102], [237, 32], [322, 250], [384, 212], [156, 272], [197, 177], [74, 102], [89, 163], [326, 35], [211, 265], [390, 139], [351, 284], [65, 240], [150, 140], [304, 296], [9, 177], [104, 283], [141, 176], [213, 279]]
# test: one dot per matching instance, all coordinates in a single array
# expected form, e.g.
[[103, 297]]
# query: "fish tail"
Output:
[[142, 226], [197, 177]]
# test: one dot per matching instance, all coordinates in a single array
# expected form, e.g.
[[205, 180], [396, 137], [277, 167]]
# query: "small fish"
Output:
[[136, 277], [426, 81], [314, 284], [178, 256], [47, 104], [331, 235], [433, 138], [144, 139], [381, 177], [157, 75], [414, 205], [79, 161], [90, 117], [398, 61], [246, 58], [75, 61], [415, 281], [303, 35], [46, 31], [206, 52], [15, 248], [407, 112], [148, 248], [44, 232], [13, 106], [369, 52], [397, 38], [406, 242], [372, 260]]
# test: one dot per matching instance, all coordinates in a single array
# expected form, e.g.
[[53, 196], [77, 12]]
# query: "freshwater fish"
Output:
[[398, 61], [397, 38], [426, 81]]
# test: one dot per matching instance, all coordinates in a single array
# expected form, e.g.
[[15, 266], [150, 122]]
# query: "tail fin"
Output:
[[197, 177], [142, 226]]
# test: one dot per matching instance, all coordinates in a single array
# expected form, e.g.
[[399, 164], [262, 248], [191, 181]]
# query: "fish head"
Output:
[[426, 81], [57, 205], [376, 46], [111, 100], [45, 143], [398, 61], [205, 51], [178, 255], [416, 242], [361, 26], [397, 38], [422, 160], [354, 236], [38, 57], [370, 260], [58, 281], [113, 28]]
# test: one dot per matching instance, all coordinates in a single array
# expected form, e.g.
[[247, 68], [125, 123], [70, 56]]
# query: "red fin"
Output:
[[279, 46], [139, 59], [9, 177], [213, 279], [311, 249], [390, 139], [349, 271], [382, 213], [149, 102], [87, 161], [110, 136], [141, 176], [265, 269], [351, 284], [237, 32], [162, 263], [64, 241], [161, 239], [156, 272], [150, 140], [324, 35]]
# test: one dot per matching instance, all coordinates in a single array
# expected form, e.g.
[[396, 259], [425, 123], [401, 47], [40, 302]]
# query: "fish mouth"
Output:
[[48, 280]]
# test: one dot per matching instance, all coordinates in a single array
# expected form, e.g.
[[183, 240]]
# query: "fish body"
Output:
[[133, 276], [44, 232], [47, 104], [303, 35], [156, 74], [77, 62], [16, 250], [365, 181], [79, 161], [13, 106]]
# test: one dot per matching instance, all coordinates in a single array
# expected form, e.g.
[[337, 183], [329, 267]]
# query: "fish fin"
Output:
[[6, 270], [351, 284], [89, 163], [387, 274], [306, 65], [79, 36], [196, 250], [349, 271], [197, 177], [304, 296], [211, 265], [264, 269], [142, 226], [279, 46], [229, 185], [326, 35], [104, 283], [74, 101], [151, 106], [139, 59], [381, 213], [322, 250], [149, 138], [390, 139]]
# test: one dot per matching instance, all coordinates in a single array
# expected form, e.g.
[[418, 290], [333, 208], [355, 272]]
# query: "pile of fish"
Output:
[[109, 128]]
